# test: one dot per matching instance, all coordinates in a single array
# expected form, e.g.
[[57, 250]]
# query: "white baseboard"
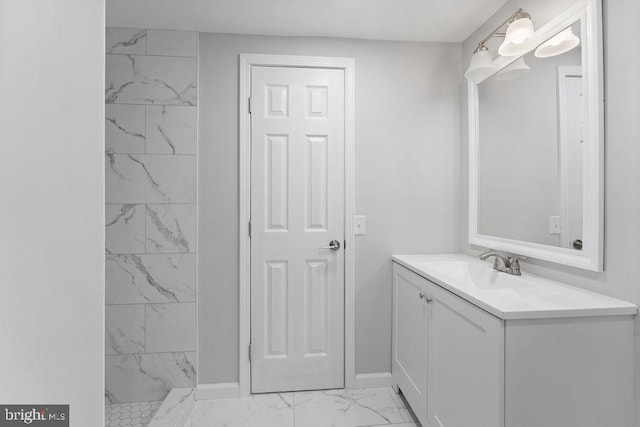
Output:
[[377, 380], [217, 391]]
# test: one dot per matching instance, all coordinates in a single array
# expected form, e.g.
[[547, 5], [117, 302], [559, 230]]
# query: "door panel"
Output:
[[410, 339], [466, 352], [297, 208]]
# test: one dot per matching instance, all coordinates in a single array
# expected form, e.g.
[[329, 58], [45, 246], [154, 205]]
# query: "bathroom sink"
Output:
[[508, 296]]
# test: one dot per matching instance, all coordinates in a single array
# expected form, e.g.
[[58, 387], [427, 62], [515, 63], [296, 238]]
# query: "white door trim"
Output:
[[348, 65]]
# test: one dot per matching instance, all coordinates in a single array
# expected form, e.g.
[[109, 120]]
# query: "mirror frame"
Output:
[[591, 258]]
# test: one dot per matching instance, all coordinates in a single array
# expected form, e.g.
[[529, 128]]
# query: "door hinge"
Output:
[[249, 229], [249, 105], [345, 245], [250, 352]]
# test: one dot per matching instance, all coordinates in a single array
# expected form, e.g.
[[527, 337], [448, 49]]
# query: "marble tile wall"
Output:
[[151, 147]]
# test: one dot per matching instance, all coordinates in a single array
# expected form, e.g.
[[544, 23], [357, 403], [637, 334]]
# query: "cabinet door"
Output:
[[466, 371], [410, 338]]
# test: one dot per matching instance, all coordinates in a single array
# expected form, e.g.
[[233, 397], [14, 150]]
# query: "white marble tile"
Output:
[[177, 401], [397, 425], [150, 278], [147, 178], [126, 180], [171, 228], [124, 329], [163, 80], [124, 232], [124, 128], [171, 179], [126, 40], [147, 377], [260, 410], [170, 327], [345, 408], [171, 129], [172, 43], [402, 406]]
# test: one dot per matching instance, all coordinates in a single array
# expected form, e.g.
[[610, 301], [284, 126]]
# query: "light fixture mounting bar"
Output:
[[518, 14]]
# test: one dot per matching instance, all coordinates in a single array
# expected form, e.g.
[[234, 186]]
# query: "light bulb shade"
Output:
[[562, 42], [517, 40], [480, 67], [516, 69]]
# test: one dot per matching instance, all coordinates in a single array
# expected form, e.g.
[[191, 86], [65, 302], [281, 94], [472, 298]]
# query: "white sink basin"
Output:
[[507, 296]]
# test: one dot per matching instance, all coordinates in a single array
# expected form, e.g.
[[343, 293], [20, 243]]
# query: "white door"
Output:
[[572, 153], [297, 209]]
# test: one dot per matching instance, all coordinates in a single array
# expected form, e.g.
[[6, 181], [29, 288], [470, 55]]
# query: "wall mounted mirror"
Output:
[[536, 146]]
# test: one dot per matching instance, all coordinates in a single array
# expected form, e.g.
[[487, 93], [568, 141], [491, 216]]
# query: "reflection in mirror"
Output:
[[531, 151]]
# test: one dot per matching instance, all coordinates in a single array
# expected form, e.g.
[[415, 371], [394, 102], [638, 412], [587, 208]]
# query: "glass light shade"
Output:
[[480, 67], [517, 40], [562, 42], [516, 69]]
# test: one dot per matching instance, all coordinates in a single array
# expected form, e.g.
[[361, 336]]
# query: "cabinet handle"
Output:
[[424, 296]]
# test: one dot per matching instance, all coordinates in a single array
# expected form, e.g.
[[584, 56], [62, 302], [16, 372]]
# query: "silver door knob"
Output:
[[334, 245]]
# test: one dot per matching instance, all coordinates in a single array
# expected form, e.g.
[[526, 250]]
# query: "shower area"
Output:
[[151, 219]]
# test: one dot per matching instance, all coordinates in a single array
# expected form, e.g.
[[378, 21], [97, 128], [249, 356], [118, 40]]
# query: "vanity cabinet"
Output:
[[447, 354], [461, 362]]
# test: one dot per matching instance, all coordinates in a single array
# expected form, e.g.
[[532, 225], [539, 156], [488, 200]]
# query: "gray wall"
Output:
[[407, 178], [52, 198], [621, 277]]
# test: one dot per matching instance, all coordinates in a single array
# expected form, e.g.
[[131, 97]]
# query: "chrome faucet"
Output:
[[505, 263]]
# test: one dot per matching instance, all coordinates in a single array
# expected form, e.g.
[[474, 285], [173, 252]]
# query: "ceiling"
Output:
[[410, 20]]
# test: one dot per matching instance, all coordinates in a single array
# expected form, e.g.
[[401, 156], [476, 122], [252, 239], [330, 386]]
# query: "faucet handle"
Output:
[[514, 263]]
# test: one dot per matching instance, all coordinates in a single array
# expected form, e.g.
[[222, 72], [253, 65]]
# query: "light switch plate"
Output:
[[359, 225], [554, 225]]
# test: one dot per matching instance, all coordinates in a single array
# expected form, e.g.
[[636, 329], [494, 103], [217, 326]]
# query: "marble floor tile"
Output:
[[150, 278], [402, 406], [172, 43], [345, 408], [171, 129], [126, 40], [161, 80], [170, 327], [124, 128], [260, 410], [125, 329], [177, 402], [171, 228], [147, 377], [124, 231]]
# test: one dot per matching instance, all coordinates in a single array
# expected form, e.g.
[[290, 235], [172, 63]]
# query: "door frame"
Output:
[[244, 339], [565, 71]]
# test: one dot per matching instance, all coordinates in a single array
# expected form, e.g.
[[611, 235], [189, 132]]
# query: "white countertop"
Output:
[[511, 297]]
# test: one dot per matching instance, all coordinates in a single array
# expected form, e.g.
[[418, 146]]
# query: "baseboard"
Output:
[[376, 380], [217, 391]]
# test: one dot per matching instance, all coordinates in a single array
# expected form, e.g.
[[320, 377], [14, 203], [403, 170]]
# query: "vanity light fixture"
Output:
[[481, 65], [516, 69], [562, 42], [517, 41]]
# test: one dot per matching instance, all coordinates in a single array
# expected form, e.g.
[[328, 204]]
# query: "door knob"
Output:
[[334, 245], [577, 244]]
